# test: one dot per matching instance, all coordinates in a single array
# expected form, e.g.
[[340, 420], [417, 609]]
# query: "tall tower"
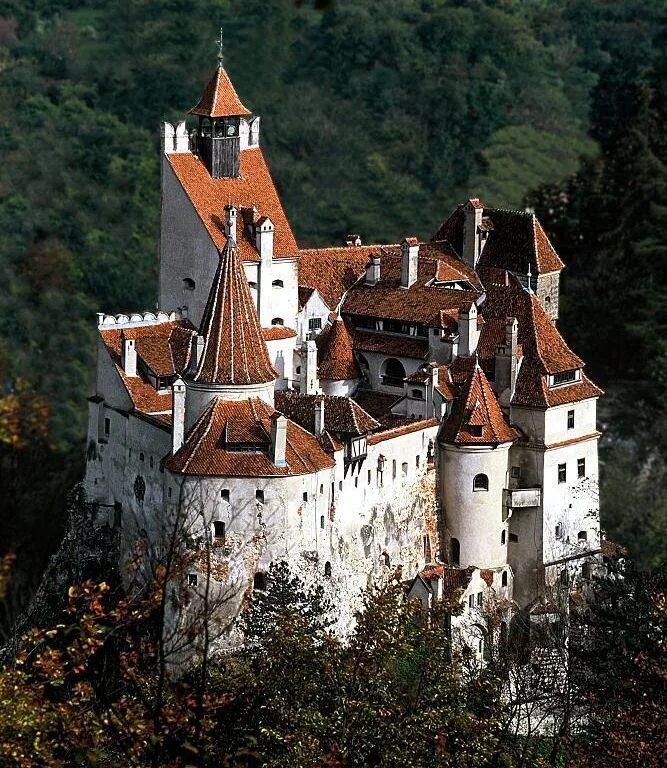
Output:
[[217, 138]]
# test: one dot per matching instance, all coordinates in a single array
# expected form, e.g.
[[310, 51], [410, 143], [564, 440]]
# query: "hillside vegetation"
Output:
[[377, 118]]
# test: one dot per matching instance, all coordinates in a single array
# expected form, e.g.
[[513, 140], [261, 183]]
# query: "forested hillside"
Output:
[[377, 118]]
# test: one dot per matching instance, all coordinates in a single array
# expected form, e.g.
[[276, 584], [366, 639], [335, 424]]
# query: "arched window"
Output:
[[386, 560], [504, 579], [188, 284], [417, 394], [456, 551], [277, 284], [393, 373], [582, 536], [480, 483], [298, 370], [219, 530], [260, 581], [327, 569], [277, 321]]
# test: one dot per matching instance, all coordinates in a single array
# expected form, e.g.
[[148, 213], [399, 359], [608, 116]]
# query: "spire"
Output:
[[476, 416], [234, 351], [337, 362], [220, 98]]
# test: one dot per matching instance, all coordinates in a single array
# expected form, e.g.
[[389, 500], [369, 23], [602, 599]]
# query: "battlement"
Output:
[[137, 318]]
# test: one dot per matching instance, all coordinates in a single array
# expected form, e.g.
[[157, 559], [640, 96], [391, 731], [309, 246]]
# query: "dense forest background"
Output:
[[377, 118]]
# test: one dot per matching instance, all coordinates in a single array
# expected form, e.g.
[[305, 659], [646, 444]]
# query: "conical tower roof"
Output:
[[476, 417], [337, 361], [219, 98], [234, 351]]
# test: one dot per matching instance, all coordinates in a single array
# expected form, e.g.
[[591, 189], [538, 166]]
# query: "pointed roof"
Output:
[[477, 407], [219, 98], [335, 352], [234, 350]]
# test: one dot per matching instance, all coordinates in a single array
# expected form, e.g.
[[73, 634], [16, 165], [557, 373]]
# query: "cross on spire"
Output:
[[220, 47]]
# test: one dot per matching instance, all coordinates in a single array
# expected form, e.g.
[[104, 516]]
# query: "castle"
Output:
[[350, 410]]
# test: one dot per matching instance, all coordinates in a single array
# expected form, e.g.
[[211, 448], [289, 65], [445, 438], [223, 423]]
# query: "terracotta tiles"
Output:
[[403, 429], [396, 346], [378, 404], [342, 416], [476, 417], [276, 332], [233, 439], [254, 187], [219, 98], [234, 350], [333, 270], [454, 580], [337, 361]]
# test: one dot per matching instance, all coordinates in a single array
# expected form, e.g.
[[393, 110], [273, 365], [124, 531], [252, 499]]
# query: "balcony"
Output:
[[521, 498]]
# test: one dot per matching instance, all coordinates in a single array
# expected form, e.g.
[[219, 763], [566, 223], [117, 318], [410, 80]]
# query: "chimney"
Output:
[[319, 416], [168, 133], [181, 138], [473, 211], [373, 270], [129, 355], [309, 382], [230, 221], [409, 261], [506, 364], [278, 439], [353, 241], [264, 231], [178, 414], [468, 333], [197, 351]]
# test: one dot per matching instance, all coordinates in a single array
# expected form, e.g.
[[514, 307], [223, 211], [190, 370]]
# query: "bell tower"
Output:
[[218, 133]]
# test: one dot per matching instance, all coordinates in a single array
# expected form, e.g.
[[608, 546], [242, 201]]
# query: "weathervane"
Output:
[[220, 47]]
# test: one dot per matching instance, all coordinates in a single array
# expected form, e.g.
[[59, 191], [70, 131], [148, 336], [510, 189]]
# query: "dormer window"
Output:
[[417, 394], [565, 377]]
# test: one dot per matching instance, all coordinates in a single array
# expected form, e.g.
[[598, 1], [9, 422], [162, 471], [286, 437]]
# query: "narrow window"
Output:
[[393, 469], [558, 531], [562, 473], [340, 485], [356, 482], [305, 495], [427, 548], [192, 579], [150, 461], [327, 569], [259, 581], [404, 468], [219, 530], [107, 427], [503, 536], [386, 559], [479, 599], [570, 419], [322, 521], [369, 477], [259, 496], [141, 457], [516, 472], [582, 536], [471, 601], [321, 488], [480, 483], [224, 494], [456, 552], [417, 461], [169, 492], [504, 579], [581, 467]]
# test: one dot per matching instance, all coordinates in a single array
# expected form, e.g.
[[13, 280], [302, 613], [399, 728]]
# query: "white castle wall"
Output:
[[285, 300], [474, 518]]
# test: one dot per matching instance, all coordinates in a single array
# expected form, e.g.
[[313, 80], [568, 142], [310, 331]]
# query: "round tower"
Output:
[[338, 370], [473, 447]]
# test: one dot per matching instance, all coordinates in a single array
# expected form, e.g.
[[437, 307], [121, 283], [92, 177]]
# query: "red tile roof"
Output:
[[477, 406], [234, 350], [336, 354], [378, 404], [332, 270], [341, 414], [454, 580], [276, 332], [163, 347], [232, 438], [403, 429], [219, 98], [254, 186], [516, 240], [396, 346]]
